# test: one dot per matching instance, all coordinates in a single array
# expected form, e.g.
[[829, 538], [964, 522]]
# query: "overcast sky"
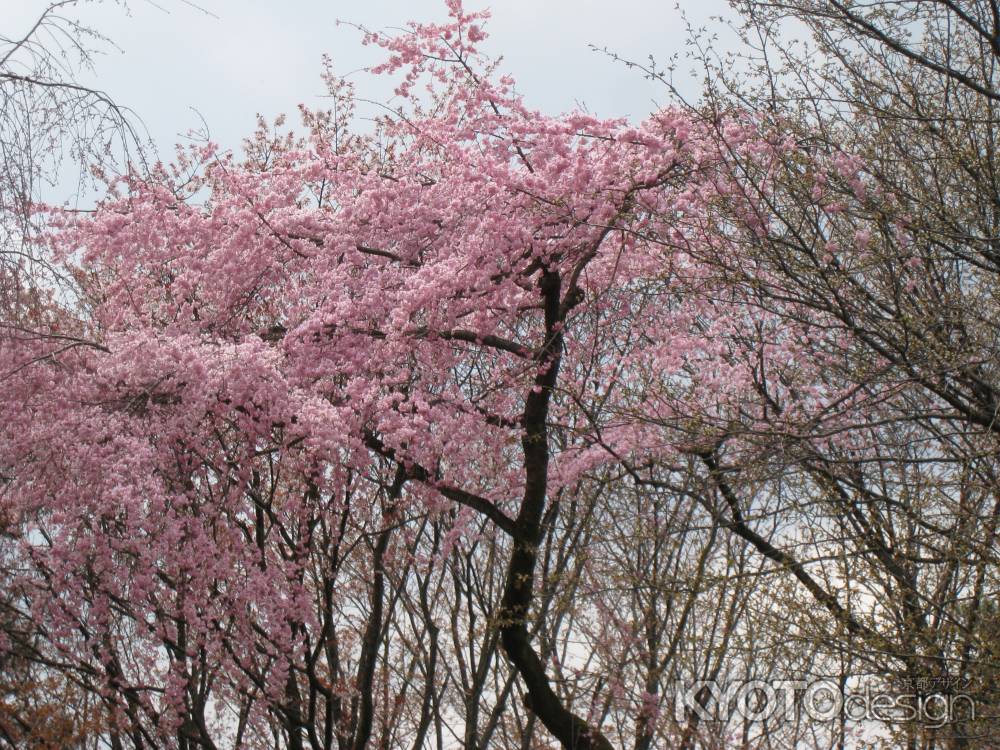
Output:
[[247, 56]]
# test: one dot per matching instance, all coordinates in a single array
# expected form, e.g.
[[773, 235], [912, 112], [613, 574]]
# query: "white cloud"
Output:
[[264, 56]]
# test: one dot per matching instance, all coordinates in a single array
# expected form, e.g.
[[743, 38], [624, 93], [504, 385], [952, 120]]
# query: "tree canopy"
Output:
[[486, 427]]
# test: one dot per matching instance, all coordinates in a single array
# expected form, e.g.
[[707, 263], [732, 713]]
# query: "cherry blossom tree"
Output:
[[485, 427], [53, 130], [268, 412]]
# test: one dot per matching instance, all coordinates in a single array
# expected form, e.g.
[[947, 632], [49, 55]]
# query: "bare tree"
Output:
[[876, 240], [54, 130]]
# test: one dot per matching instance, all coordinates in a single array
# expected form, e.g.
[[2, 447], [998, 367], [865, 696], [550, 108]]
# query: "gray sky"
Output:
[[258, 56]]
